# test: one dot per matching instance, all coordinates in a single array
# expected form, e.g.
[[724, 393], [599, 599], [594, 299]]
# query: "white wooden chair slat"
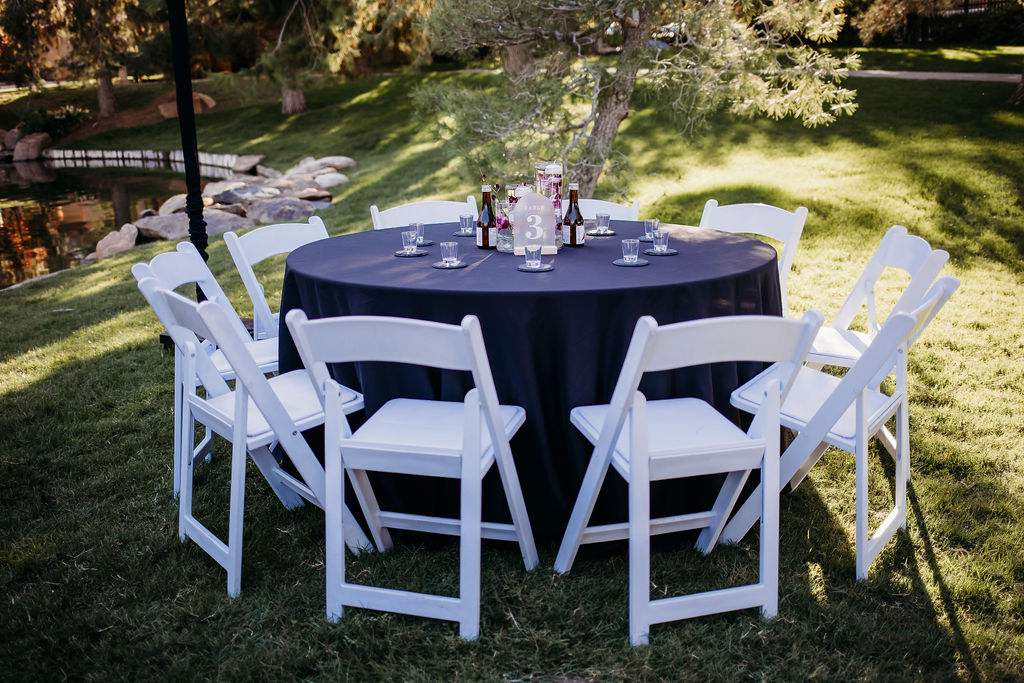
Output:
[[432, 438], [257, 415], [761, 219], [171, 270], [422, 212], [847, 413], [670, 438], [260, 244]]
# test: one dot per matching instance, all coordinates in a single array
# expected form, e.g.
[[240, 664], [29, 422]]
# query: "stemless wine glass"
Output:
[[602, 220], [467, 224], [660, 240], [409, 239], [630, 250], [418, 229], [533, 255], [650, 226], [450, 253]]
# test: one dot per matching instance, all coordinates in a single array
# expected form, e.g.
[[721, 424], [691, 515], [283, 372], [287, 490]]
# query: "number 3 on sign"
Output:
[[533, 221]]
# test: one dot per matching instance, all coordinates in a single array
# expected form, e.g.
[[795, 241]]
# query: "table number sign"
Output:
[[533, 221]]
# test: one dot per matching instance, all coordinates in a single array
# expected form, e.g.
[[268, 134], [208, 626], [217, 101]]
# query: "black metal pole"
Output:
[[187, 125]]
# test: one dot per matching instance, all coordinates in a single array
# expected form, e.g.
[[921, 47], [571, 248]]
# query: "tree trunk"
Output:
[[106, 96], [516, 61], [612, 107], [292, 101]]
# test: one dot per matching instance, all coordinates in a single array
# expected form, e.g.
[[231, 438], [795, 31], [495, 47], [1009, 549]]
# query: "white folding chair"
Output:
[[262, 243], [618, 212], [422, 212], [171, 270], [257, 416], [847, 413], [419, 437], [648, 441], [838, 345], [765, 220]]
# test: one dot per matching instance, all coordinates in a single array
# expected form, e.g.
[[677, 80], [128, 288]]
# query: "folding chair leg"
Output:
[[517, 506], [334, 518], [724, 504], [267, 463], [469, 548], [902, 456], [178, 421], [235, 524], [597, 468], [371, 509], [769, 559], [639, 552], [861, 466]]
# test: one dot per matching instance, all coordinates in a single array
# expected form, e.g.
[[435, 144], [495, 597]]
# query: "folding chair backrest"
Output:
[[172, 269], [766, 339], [422, 212], [183, 335], [873, 365], [351, 339], [260, 244], [896, 250], [618, 212], [209, 320], [761, 219]]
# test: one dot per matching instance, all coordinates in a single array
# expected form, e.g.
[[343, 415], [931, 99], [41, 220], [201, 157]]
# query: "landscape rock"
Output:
[[172, 227], [31, 146], [34, 172], [311, 165], [89, 258], [246, 194], [173, 205], [11, 138], [147, 212], [201, 103], [295, 183], [116, 242], [282, 210], [317, 194], [330, 179], [236, 209], [175, 226], [267, 172], [247, 163], [219, 186]]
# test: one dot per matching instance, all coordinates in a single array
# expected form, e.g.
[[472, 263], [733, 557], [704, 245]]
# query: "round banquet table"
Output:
[[555, 340]]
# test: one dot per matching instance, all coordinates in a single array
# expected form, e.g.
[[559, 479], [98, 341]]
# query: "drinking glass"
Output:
[[409, 240], [602, 220], [660, 240], [418, 228], [650, 226], [630, 250], [467, 224], [450, 253], [533, 255]]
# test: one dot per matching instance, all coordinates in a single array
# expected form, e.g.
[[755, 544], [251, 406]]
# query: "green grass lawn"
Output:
[[97, 585], [997, 59]]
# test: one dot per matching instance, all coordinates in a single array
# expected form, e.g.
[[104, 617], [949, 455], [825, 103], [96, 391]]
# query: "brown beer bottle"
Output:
[[487, 223], [573, 233]]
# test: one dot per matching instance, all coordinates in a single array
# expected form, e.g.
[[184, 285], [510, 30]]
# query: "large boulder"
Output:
[[290, 185], [247, 163], [118, 241], [175, 226], [31, 146], [310, 165], [267, 172], [246, 194], [282, 210], [201, 103], [11, 138], [173, 205], [330, 179]]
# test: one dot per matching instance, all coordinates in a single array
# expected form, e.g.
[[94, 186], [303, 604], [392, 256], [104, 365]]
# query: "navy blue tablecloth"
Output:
[[555, 340]]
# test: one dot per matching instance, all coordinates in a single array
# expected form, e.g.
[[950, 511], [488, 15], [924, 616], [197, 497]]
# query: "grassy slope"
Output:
[[98, 584]]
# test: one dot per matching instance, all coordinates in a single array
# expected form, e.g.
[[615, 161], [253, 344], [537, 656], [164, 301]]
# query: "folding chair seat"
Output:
[[765, 220], [422, 212], [171, 270], [418, 437], [617, 212], [257, 416], [260, 244], [847, 413], [837, 344], [646, 441]]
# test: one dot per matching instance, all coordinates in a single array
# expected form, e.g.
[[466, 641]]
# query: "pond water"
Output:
[[52, 219]]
